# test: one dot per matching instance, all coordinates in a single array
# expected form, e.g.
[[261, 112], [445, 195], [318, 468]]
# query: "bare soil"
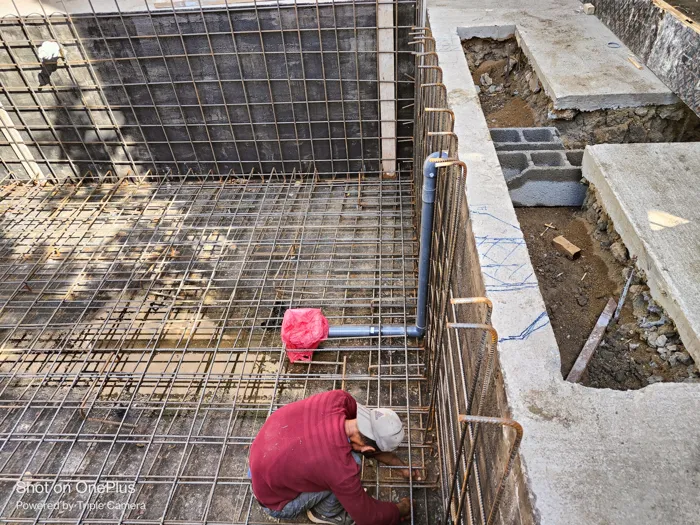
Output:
[[576, 292], [502, 108], [509, 113]]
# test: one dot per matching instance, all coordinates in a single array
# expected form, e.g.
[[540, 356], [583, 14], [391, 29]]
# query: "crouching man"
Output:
[[306, 458]]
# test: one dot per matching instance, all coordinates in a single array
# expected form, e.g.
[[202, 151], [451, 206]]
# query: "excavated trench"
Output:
[[642, 346], [511, 96]]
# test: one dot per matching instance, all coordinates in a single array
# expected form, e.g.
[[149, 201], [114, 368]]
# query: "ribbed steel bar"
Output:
[[461, 367]]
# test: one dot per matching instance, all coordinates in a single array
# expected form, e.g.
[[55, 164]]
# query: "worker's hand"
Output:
[[404, 508], [417, 475]]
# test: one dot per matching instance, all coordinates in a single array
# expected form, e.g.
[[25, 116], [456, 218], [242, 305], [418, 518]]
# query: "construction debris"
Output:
[[589, 9], [624, 295], [566, 247], [592, 343], [635, 63], [548, 227], [641, 345]]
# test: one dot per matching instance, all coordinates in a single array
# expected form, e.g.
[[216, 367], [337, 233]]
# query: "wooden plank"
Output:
[[635, 63], [569, 249], [387, 85], [592, 343], [684, 19]]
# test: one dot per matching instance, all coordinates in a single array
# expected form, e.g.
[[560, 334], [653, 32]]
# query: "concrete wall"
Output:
[[668, 46], [588, 455], [215, 90]]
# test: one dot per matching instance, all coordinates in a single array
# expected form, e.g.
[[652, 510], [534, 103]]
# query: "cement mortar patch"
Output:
[[588, 456]]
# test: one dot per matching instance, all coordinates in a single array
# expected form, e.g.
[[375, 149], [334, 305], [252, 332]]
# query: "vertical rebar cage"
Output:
[[477, 446], [214, 87], [174, 179]]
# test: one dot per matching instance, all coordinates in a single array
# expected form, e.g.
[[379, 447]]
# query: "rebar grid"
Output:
[[140, 341], [139, 312], [475, 461], [209, 88]]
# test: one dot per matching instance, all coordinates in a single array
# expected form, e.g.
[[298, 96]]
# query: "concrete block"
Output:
[[543, 178], [589, 9], [514, 139]]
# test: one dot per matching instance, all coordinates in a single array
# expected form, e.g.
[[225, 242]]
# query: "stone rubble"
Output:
[[656, 353]]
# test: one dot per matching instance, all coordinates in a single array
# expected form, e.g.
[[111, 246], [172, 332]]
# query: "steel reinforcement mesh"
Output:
[[172, 86], [139, 329], [140, 303]]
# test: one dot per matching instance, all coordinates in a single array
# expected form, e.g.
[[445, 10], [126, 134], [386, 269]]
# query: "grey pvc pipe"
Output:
[[426, 231]]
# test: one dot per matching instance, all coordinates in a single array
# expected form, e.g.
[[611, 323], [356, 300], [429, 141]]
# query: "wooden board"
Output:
[[592, 343], [684, 19], [566, 247]]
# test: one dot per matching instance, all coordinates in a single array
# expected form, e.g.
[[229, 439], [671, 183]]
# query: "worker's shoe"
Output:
[[341, 519]]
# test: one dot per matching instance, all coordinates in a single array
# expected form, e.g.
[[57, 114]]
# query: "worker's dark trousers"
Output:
[[324, 503]]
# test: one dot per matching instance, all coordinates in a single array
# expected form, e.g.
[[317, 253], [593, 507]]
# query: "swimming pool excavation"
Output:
[[204, 169]]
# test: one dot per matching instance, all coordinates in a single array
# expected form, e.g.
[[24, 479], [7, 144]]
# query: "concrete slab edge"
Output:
[[662, 291], [581, 103], [590, 102]]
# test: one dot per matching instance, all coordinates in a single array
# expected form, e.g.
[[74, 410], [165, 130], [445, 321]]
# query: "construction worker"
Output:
[[307, 457]]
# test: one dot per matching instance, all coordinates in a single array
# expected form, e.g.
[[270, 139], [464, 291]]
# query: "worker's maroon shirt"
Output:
[[303, 447]]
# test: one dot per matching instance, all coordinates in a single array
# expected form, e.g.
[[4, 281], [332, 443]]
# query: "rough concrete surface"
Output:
[[568, 50], [589, 456], [651, 193], [666, 41]]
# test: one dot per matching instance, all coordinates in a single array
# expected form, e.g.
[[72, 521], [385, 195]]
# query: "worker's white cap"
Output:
[[382, 425]]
